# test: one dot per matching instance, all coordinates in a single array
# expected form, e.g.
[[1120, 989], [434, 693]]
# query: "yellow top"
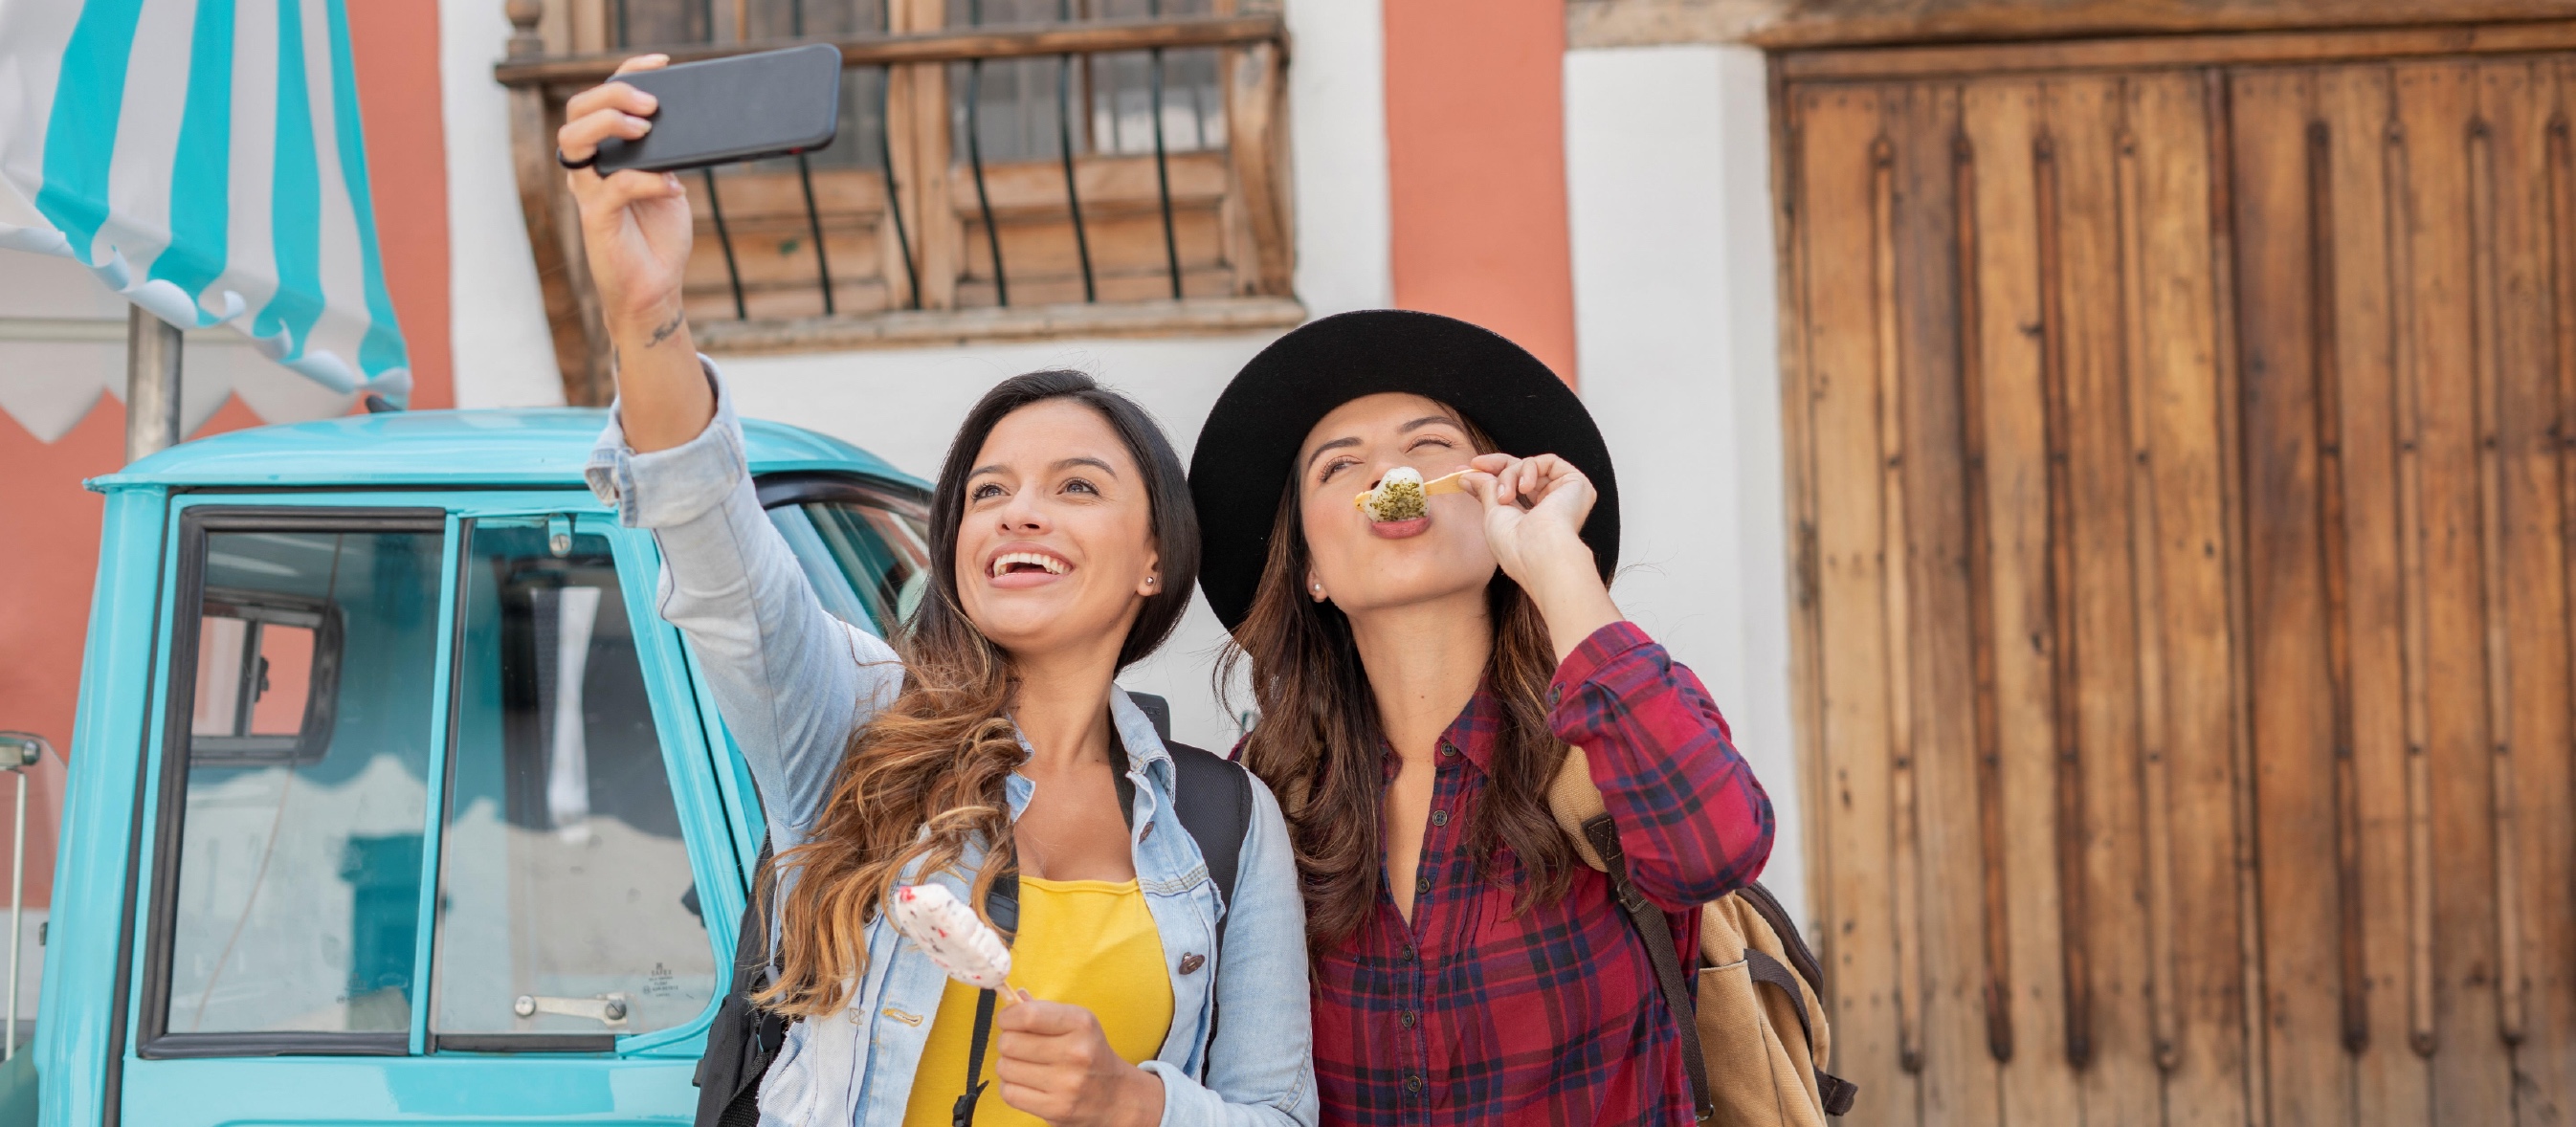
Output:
[[1089, 943]]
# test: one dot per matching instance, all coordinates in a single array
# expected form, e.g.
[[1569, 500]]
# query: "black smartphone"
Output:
[[770, 104]]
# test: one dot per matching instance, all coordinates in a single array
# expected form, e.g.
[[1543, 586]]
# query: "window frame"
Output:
[[321, 702], [152, 1037], [806, 487]]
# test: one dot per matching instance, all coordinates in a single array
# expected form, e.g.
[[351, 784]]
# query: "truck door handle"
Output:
[[607, 1009]]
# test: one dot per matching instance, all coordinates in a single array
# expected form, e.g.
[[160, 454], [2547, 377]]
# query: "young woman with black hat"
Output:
[[1421, 674], [987, 739]]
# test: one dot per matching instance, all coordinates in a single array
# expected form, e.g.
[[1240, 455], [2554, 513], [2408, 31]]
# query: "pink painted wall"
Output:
[[1475, 134]]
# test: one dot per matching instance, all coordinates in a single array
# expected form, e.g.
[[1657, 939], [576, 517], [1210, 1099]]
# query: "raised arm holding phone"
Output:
[[635, 227]]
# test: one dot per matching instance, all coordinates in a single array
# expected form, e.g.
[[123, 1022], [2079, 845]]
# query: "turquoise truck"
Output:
[[391, 799]]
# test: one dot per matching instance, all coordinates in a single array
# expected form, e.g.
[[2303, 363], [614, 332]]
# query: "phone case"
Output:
[[774, 103]]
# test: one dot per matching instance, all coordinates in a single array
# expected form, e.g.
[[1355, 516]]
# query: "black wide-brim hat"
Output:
[[1247, 448]]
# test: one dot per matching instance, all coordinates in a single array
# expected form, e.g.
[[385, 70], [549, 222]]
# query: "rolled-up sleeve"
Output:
[[791, 680], [1693, 821]]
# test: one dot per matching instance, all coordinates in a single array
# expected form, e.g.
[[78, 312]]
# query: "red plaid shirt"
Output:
[[1471, 1015]]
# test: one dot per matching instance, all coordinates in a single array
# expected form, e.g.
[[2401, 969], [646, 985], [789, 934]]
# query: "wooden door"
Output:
[[2183, 443]]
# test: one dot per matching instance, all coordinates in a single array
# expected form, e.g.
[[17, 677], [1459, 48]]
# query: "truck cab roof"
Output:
[[516, 447]]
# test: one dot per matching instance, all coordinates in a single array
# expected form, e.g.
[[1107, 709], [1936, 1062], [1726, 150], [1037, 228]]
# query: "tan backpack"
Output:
[[1743, 1071]]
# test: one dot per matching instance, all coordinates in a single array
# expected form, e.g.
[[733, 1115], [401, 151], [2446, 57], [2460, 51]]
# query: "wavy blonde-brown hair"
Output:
[[922, 781]]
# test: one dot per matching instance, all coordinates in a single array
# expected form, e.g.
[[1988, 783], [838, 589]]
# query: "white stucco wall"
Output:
[[503, 353], [1667, 157], [1337, 141]]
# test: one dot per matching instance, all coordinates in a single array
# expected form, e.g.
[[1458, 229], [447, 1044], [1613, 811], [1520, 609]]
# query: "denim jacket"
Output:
[[793, 682]]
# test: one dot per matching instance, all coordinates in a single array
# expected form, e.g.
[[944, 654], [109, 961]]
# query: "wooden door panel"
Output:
[[2471, 1070], [2298, 796], [1921, 288], [2007, 450], [2184, 457], [2541, 392], [2526, 609], [1840, 352], [2186, 700], [2090, 344]]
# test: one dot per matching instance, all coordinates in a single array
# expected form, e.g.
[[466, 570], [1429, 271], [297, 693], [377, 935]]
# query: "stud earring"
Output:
[[1149, 581], [1319, 588]]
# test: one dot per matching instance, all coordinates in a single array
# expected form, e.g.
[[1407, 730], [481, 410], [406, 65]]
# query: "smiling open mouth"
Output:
[[1028, 563]]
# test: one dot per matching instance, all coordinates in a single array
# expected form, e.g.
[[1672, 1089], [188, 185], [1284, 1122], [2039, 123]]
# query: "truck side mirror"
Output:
[[19, 750]]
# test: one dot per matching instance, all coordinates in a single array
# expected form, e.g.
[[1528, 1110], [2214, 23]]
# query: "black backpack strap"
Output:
[[1213, 797], [1157, 711], [963, 1115], [1214, 801], [744, 1038], [1657, 932]]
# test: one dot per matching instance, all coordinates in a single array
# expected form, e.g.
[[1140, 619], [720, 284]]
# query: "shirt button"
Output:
[[1405, 1019], [1413, 1083], [1405, 955], [1447, 748], [1439, 817]]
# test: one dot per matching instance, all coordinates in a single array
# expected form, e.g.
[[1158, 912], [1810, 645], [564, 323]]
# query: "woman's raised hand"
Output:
[[1534, 513], [635, 228], [1056, 1064]]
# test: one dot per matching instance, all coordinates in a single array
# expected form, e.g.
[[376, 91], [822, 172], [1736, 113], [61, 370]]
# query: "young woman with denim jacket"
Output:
[[990, 736]]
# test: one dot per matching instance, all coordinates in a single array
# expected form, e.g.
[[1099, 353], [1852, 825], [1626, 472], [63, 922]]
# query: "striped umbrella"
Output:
[[204, 159]]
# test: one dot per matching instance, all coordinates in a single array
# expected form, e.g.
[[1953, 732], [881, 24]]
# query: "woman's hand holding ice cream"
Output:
[[1534, 511]]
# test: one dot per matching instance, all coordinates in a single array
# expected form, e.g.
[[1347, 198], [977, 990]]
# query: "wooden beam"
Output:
[[1195, 316], [554, 230], [2177, 51], [1002, 42], [1254, 100], [1818, 23]]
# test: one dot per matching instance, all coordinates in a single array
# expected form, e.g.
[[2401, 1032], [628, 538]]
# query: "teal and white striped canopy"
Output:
[[204, 159]]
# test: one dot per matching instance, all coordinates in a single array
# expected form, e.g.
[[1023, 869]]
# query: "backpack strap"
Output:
[[1833, 1091], [744, 1038], [1801, 959], [963, 1114], [1657, 932], [1212, 795], [1215, 805]]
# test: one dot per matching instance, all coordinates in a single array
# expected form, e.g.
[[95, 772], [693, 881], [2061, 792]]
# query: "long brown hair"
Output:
[[923, 780], [1318, 742]]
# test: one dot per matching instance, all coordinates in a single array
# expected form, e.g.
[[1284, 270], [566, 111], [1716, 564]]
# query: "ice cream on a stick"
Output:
[[1403, 495], [952, 935]]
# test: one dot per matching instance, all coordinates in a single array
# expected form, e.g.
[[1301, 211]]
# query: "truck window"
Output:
[[867, 557], [264, 677], [298, 822], [566, 903]]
